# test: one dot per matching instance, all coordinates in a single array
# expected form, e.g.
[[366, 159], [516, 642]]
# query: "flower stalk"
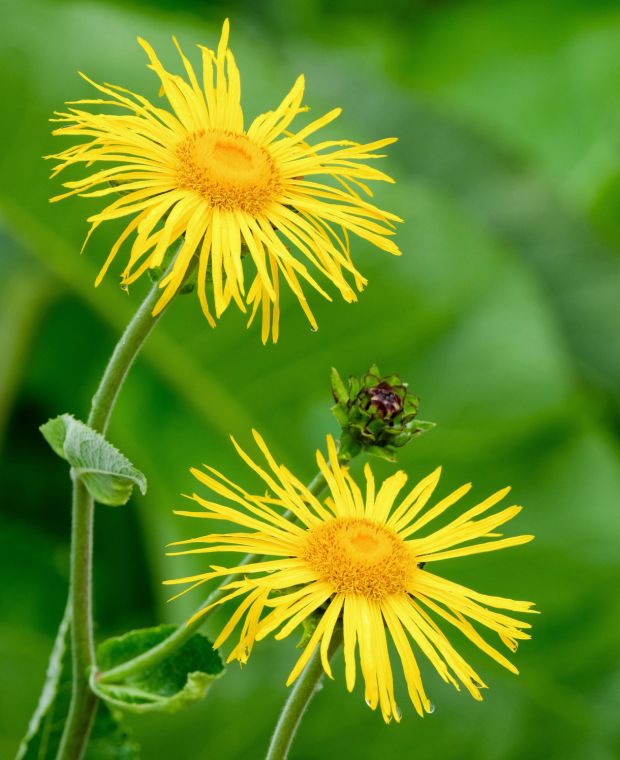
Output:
[[83, 702], [298, 700]]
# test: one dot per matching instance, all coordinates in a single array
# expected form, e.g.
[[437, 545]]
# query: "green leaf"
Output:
[[37, 737], [109, 739], [179, 680], [107, 474]]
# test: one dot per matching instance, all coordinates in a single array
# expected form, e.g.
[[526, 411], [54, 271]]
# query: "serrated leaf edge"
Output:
[[134, 477]]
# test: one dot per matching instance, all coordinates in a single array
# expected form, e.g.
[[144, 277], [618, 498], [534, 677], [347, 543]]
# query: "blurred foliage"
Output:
[[502, 315]]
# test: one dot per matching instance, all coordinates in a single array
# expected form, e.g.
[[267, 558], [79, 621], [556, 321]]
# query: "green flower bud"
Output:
[[376, 413]]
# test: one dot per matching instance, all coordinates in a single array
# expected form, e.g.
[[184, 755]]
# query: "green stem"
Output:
[[125, 352], [298, 700], [184, 633], [83, 702]]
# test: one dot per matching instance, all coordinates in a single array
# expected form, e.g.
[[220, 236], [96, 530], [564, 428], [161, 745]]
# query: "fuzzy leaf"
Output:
[[54, 431], [109, 739], [179, 680], [107, 474]]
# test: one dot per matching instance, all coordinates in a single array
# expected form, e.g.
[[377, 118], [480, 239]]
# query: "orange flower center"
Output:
[[227, 170], [359, 556]]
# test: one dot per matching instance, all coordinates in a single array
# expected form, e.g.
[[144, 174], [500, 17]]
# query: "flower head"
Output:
[[358, 559], [196, 173]]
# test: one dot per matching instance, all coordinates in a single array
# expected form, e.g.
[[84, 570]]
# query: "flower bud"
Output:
[[376, 413]]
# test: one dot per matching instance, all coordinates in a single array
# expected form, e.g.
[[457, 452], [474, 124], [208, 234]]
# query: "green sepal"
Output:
[[382, 452], [189, 283], [340, 414], [179, 680], [423, 425], [395, 381], [349, 447], [191, 278], [156, 273], [309, 625], [109, 739], [107, 474], [375, 426], [339, 389]]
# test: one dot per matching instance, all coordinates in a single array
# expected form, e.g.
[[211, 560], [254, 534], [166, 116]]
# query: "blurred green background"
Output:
[[502, 313]]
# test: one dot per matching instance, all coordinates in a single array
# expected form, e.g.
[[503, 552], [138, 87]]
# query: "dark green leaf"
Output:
[[109, 739], [177, 681]]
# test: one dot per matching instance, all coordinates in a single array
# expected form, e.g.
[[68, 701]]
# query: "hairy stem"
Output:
[[124, 355], [304, 689], [83, 701], [183, 633]]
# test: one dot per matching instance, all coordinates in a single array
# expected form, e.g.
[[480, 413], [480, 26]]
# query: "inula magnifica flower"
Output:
[[359, 560], [228, 191]]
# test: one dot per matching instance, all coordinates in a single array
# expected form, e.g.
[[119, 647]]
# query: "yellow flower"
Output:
[[197, 173], [359, 559]]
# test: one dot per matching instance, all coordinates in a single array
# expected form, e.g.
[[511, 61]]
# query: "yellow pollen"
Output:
[[227, 170], [359, 556]]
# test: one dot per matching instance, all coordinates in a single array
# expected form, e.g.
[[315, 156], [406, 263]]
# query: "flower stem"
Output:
[[79, 610], [124, 355], [83, 702], [185, 632], [298, 700]]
